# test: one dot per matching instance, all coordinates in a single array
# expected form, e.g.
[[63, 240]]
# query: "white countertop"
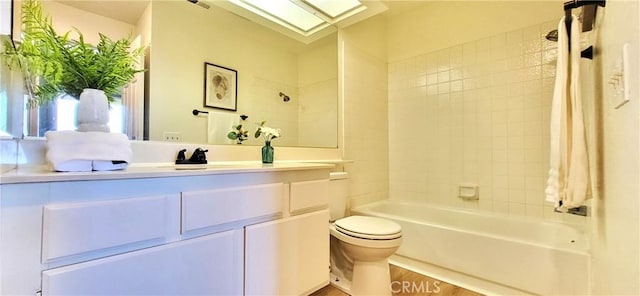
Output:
[[42, 173]]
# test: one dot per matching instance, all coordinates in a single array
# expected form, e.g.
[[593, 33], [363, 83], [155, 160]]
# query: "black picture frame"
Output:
[[220, 87]]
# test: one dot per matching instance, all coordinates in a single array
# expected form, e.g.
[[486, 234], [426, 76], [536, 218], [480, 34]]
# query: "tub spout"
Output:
[[580, 211]]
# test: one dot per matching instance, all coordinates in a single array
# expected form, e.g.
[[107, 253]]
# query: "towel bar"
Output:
[[588, 19], [195, 112]]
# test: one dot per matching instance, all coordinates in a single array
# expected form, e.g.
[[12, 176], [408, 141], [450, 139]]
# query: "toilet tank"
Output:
[[338, 194]]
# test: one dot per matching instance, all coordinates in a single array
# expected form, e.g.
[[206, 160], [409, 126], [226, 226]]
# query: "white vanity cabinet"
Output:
[[290, 256], [215, 234]]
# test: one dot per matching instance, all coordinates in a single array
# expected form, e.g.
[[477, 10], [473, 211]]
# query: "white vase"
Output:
[[93, 111]]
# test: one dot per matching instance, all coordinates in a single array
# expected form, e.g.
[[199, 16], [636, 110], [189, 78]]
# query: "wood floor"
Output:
[[414, 284]]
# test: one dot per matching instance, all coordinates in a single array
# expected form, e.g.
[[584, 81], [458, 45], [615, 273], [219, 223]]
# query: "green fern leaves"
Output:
[[61, 65]]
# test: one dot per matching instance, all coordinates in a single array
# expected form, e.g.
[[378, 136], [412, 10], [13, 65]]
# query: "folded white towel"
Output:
[[70, 150], [74, 165], [108, 165]]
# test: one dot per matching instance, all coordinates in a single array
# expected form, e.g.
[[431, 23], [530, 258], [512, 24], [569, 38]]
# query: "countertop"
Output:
[[43, 173]]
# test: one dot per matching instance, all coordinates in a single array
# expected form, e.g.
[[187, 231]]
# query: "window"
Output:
[[60, 115]]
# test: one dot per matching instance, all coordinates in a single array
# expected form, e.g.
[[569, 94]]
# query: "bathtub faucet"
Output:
[[580, 211]]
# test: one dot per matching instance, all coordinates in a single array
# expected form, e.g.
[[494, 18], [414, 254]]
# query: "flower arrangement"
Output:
[[63, 65], [238, 133], [267, 133]]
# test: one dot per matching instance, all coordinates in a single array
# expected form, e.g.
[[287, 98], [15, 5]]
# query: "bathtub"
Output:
[[522, 254]]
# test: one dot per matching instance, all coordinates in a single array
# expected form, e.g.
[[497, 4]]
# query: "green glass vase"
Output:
[[267, 153]]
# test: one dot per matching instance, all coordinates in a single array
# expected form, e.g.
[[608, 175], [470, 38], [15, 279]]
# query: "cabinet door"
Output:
[[288, 256], [206, 265]]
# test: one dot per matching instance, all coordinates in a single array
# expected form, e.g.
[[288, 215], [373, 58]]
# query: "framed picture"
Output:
[[220, 87]]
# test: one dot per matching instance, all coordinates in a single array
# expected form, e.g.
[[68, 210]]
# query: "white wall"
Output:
[[143, 26], [442, 24], [65, 18], [317, 84], [616, 242], [364, 80]]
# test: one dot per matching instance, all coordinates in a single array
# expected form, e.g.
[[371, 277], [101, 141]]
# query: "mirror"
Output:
[[182, 37]]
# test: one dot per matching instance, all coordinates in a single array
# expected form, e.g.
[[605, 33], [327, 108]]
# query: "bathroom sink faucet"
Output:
[[198, 156]]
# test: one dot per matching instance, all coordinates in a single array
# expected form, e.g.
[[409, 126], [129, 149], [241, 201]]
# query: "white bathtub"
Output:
[[530, 255]]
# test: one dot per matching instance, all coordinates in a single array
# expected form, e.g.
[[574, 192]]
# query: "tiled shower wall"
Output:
[[475, 113]]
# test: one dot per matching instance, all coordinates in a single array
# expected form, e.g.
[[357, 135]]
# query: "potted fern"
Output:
[[60, 65]]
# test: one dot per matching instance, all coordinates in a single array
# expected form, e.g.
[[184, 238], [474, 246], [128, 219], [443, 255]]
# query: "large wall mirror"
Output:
[[292, 85]]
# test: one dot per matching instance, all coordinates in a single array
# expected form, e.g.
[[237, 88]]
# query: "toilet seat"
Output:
[[370, 228], [363, 242]]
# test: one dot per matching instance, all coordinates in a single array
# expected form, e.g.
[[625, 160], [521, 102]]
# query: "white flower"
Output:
[[275, 133], [268, 133]]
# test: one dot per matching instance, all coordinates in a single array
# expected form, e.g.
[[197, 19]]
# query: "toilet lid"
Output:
[[369, 227]]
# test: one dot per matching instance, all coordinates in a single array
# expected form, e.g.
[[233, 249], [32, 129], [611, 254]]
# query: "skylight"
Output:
[[302, 16], [286, 11], [334, 8], [303, 20]]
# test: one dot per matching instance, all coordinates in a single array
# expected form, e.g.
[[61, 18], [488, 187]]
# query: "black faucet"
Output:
[[198, 156], [181, 157]]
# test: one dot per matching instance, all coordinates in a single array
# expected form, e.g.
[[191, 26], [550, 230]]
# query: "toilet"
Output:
[[360, 245]]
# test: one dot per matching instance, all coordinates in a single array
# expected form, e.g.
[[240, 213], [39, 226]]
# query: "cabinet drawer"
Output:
[[309, 195], [75, 228], [208, 265], [204, 209]]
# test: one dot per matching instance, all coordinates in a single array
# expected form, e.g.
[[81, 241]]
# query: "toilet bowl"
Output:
[[360, 247], [368, 246]]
